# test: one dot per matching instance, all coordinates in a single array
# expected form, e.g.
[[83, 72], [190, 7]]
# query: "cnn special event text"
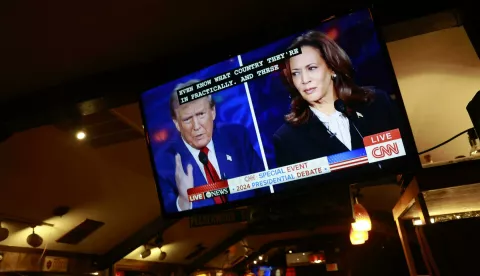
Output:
[[279, 175]]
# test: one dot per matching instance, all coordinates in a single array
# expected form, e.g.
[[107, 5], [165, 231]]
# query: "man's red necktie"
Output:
[[220, 199]]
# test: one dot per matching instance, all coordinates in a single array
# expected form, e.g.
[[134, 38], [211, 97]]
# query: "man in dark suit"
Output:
[[228, 148]]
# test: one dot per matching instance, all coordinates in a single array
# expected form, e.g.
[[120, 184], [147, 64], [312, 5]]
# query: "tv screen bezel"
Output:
[[411, 159]]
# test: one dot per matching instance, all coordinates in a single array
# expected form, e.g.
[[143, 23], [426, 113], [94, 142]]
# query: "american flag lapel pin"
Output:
[[229, 158]]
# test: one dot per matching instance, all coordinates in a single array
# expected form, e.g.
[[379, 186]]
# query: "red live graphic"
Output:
[[195, 197], [384, 145], [382, 137], [208, 191]]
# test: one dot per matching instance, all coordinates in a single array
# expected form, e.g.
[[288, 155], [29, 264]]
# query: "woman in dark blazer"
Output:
[[320, 76]]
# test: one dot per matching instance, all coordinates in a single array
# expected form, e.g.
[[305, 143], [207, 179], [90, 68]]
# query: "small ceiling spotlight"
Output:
[[254, 262], [34, 240], [290, 251], [81, 135], [3, 232], [145, 253], [162, 255], [260, 257]]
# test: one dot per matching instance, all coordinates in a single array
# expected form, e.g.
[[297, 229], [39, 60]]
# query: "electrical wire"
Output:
[[443, 143], [46, 244]]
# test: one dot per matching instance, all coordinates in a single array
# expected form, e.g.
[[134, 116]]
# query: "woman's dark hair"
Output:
[[339, 62]]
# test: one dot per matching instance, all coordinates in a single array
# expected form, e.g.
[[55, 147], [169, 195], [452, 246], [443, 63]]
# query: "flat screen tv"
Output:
[[319, 107]]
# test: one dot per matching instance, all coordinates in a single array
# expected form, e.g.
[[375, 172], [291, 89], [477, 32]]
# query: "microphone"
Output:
[[342, 108], [204, 160]]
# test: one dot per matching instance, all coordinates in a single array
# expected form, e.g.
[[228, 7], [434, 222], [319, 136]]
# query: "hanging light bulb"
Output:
[[34, 240], [162, 255], [356, 242], [145, 253], [360, 227], [358, 237], [362, 219]]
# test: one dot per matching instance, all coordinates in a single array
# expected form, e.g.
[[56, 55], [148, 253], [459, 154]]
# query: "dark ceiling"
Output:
[[57, 53]]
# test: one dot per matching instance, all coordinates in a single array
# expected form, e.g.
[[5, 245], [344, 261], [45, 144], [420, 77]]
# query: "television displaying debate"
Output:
[[318, 104]]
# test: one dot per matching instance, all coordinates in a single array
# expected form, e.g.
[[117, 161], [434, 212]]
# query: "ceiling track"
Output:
[[26, 221]]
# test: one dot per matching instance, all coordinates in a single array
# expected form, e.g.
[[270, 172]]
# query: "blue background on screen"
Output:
[[232, 107], [355, 33]]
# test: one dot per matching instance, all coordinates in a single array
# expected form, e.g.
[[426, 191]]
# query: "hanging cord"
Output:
[[46, 244], [443, 143]]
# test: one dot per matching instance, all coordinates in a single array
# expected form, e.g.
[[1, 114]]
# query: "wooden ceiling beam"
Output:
[[142, 236]]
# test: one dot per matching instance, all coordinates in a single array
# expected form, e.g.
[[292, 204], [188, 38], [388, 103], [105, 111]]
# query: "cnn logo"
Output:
[[385, 150], [249, 178]]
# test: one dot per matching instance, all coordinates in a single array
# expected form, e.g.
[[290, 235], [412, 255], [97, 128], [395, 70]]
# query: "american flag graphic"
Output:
[[347, 159]]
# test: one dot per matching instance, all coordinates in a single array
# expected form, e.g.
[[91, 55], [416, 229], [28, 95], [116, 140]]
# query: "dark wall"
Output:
[[454, 245], [471, 23]]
